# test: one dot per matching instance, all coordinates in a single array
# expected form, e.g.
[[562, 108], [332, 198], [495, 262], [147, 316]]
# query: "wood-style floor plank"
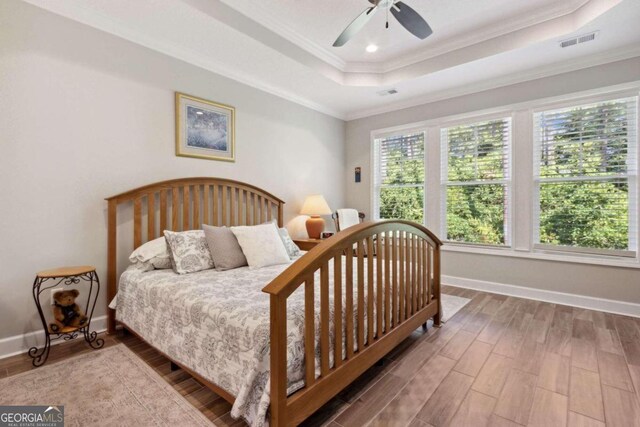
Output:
[[614, 371], [404, 407], [444, 403], [585, 395], [456, 347], [620, 407], [554, 373], [493, 375], [584, 355], [549, 409], [474, 411], [579, 420], [516, 398], [473, 359]]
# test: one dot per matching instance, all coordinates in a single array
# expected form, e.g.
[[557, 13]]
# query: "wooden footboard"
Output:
[[395, 295]]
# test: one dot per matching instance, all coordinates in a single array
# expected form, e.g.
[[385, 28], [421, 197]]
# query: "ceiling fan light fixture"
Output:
[[372, 48]]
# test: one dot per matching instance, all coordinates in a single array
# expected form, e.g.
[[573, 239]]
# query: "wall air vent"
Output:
[[387, 92], [579, 39]]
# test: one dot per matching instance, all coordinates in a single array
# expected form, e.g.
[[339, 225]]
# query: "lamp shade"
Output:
[[315, 205]]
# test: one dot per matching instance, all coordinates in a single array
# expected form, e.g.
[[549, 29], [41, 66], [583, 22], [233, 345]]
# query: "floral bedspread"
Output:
[[217, 324]]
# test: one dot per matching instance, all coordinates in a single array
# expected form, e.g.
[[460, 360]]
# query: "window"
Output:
[[399, 178], [584, 174], [476, 182]]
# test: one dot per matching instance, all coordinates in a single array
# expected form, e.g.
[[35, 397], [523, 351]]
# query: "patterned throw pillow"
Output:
[[189, 251], [292, 249]]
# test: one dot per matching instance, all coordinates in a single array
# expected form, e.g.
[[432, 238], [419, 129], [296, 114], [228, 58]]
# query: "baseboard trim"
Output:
[[18, 344], [574, 300]]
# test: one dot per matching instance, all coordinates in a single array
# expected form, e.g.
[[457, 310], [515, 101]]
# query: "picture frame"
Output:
[[204, 129]]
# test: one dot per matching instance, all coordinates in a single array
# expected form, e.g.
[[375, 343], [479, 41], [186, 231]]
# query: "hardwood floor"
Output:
[[500, 361]]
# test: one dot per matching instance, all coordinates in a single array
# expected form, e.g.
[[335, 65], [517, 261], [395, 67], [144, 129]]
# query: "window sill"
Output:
[[544, 256]]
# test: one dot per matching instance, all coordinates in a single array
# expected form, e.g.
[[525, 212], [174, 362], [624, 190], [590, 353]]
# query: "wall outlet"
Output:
[[53, 291]]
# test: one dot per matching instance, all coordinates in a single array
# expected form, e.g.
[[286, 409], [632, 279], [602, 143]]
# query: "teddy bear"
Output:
[[66, 312]]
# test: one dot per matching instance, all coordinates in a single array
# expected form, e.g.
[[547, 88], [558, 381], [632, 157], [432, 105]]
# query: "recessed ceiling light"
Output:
[[372, 48]]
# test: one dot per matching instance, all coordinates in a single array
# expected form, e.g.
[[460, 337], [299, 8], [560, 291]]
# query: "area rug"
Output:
[[451, 304], [108, 387]]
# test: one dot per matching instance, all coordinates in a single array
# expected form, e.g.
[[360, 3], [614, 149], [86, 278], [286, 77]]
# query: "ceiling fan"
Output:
[[406, 16]]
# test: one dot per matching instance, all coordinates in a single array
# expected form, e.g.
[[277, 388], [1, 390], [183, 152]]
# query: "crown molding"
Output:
[[266, 18], [538, 73], [83, 14], [482, 35]]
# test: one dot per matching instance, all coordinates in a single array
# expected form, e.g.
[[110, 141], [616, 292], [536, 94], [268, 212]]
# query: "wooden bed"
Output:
[[406, 278]]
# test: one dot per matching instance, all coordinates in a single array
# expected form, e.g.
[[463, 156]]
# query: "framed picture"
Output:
[[204, 129]]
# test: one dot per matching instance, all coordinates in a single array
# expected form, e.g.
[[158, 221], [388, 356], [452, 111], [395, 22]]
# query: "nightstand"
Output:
[[307, 244], [61, 279]]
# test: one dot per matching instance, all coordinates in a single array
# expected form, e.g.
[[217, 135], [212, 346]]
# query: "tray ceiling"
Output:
[[285, 46]]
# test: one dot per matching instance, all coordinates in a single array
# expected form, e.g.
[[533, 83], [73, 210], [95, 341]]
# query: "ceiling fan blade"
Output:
[[355, 26], [411, 20]]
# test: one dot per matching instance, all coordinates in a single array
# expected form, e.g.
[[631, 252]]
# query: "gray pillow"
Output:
[[224, 248]]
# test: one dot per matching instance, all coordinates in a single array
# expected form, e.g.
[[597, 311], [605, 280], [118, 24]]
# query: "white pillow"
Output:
[[261, 245], [152, 255]]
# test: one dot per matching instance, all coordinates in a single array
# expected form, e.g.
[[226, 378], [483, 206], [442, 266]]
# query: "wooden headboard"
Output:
[[185, 204]]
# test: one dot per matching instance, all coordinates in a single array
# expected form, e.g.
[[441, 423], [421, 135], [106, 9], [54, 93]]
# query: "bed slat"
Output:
[[151, 216], [163, 211], [185, 208], [387, 283], [395, 308], [409, 275], [174, 209], [401, 247], [349, 304], [137, 222], [224, 206], [309, 332], [232, 208], [216, 201], [196, 207], [379, 261], [360, 307], [206, 219], [337, 301], [324, 320], [370, 291]]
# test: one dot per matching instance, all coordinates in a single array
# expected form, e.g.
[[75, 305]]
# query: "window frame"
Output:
[[632, 180], [376, 185], [507, 181], [521, 174]]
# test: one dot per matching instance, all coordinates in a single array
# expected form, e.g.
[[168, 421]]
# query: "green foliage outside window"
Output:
[[585, 143], [402, 189], [476, 205]]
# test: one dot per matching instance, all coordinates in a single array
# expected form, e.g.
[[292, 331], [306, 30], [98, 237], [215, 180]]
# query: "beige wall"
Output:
[[615, 283], [85, 115]]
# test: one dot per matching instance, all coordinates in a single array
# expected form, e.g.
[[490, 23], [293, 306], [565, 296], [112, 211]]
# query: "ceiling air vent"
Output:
[[579, 39], [387, 92]]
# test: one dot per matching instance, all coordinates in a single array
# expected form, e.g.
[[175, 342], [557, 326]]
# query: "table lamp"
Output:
[[315, 206]]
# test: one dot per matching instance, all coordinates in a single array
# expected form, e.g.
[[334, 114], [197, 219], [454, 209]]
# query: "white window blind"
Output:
[[476, 182], [399, 177], [585, 167]]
